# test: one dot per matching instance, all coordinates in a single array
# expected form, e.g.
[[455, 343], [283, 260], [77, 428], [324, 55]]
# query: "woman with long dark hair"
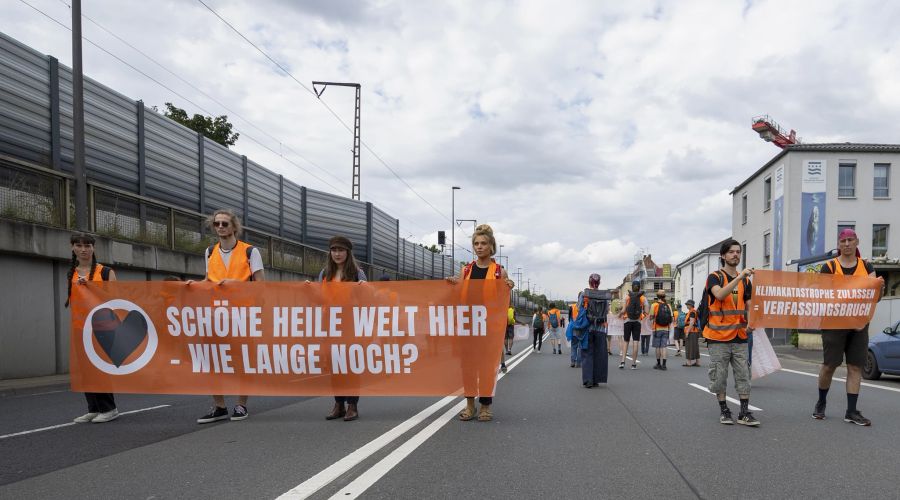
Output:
[[84, 268], [342, 266]]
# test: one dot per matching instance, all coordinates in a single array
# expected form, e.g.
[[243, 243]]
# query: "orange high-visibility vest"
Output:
[[835, 266], [493, 272], [238, 265], [98, 274], [574, 307], [727, 318]]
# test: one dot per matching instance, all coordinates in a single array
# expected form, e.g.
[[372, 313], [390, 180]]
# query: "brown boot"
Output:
[[336, 412], [352, 414]]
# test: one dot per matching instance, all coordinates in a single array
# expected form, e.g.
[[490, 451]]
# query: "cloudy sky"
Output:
[[583, 132]]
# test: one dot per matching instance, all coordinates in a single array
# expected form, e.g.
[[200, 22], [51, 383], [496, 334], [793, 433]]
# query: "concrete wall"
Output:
[[699, 267], [34, 260]]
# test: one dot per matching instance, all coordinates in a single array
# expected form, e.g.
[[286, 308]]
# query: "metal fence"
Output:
[[151, 179]]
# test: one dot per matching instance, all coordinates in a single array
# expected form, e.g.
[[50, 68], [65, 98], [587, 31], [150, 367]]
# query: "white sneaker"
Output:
[[106, 416], [87, 417]]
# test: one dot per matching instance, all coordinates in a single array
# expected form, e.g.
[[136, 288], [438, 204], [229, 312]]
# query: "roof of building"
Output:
[[828, 147], [714, 249]]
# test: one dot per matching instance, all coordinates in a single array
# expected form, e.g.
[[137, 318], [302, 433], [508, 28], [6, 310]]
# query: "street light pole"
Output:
[[81, 201], [453, 226]]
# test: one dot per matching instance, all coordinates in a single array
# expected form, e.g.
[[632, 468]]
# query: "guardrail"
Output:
[[39, 195]]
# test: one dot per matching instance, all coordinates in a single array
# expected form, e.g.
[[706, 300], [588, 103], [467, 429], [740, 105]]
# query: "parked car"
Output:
[[884, 354]]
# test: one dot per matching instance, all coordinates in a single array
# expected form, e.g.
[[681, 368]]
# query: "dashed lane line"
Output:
[[67, 424], [730, 399], [866, 384]]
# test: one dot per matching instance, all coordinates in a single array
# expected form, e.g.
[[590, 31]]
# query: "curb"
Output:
[[22, 387]]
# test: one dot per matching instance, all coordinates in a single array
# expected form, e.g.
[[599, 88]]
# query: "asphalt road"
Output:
[[645, 434]]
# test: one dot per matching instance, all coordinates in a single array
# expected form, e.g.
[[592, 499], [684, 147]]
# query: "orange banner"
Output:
[[410, 338], [812, 301]]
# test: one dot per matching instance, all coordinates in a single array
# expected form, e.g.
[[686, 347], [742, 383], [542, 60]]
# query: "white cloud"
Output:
[[584, 131]]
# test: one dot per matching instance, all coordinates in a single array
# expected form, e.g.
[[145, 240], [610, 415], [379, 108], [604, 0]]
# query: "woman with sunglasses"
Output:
[[230, 260], [342, 266]]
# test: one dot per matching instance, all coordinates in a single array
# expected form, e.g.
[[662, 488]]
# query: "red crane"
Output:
[[770, 131]]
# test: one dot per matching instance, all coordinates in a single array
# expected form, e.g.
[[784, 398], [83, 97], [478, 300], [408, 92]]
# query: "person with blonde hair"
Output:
[[483, 267], [229, 260]]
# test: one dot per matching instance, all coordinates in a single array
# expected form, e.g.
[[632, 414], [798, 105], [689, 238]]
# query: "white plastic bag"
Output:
[[521, 332], [764, 359]]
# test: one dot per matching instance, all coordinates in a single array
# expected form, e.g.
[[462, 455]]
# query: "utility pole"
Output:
[[356, 127], [518, 275], [453, 190], [81, 202]]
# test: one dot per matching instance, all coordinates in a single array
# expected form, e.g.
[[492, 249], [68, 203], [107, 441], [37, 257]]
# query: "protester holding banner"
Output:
[[726, 331], [84, 268], [230, 260], [342, 266], [484, 246], [851, 344]]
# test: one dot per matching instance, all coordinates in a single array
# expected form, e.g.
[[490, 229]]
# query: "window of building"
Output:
[[846, 180], [879, 240], [692, 278], [767, 252], [767, 194], [882, 180], [744, 209], [845, 225], [657, 285], [743, 255]]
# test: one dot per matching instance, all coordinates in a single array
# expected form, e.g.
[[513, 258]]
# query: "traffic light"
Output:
[[442, 238]]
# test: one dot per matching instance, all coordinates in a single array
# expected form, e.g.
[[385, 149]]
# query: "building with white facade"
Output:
[[691, 273], [791, 210]]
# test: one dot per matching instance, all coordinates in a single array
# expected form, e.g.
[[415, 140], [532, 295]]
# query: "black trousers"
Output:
[[594, 359], [538, 338], [645, 344], [352, 400], [100, 402]]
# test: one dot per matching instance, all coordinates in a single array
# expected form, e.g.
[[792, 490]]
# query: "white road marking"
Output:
[[50, 428], [673, 349], [371, 476], [735, 401], [337, 469], [876, 386], [175, 362]]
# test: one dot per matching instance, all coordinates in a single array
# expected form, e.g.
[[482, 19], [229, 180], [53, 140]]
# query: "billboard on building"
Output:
[[778, 213], [812, 209]]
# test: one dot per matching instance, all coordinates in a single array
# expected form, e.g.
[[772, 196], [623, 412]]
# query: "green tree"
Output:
[[215, 129]]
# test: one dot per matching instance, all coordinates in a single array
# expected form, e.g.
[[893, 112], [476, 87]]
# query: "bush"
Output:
[[795, 338]]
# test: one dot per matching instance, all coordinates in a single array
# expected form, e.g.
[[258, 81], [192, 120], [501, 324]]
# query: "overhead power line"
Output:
[[176, 93], [330, 110]]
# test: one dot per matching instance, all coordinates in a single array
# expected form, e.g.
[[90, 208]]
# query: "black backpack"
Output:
[[663, 314], [634, 310], [596, 306]]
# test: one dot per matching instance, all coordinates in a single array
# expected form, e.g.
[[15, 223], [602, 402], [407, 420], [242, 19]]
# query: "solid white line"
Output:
[[735, 401], [337, 469], [365, 480], [42, 429], [876, 386]]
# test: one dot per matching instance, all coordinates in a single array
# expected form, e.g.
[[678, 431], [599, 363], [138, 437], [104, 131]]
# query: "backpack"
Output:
[[663, 314], [538, 322], [596, 306], [634, 309], [681, 318], [104, 273], [554, 320], [209, 251]]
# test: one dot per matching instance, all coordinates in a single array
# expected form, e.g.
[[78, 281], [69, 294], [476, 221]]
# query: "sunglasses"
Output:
[[221, 224]]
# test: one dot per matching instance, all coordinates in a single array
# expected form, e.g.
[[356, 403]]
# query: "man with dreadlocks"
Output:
[[84, 268]]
